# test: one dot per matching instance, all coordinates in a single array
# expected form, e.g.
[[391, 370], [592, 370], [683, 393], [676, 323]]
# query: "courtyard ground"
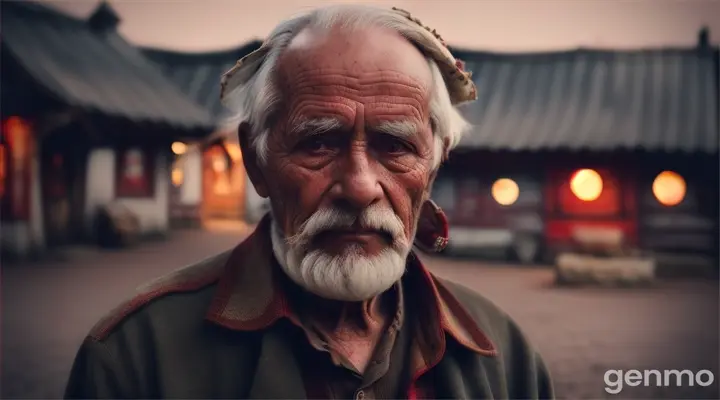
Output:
[[48, 307]]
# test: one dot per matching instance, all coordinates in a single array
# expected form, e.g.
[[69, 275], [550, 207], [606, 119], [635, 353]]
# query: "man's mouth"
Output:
[[352, 235]]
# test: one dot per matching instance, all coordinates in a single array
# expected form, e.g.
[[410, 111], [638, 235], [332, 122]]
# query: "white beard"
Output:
[[350, 275]]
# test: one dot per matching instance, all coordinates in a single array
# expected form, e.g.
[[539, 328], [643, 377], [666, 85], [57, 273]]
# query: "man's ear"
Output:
[[251, 160]]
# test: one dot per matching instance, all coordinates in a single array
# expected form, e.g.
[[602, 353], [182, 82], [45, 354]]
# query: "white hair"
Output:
[[350, 275], [256, 101]]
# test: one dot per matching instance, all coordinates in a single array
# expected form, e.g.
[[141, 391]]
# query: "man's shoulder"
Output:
[[526, 372], [500, 327], [177, 289], [472, 301]]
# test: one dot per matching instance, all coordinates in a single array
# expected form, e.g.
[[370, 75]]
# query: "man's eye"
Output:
[[315, 144], [392, 145]]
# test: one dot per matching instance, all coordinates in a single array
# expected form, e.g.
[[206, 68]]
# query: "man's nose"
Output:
[[357, 183]]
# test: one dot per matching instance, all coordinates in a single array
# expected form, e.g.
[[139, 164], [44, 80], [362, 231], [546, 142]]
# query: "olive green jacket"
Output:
[[219, 329]]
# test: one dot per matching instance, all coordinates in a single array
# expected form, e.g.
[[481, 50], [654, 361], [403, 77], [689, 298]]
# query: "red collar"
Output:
[[249, 297]]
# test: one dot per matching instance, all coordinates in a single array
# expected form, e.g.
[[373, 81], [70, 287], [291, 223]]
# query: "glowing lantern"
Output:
[[505, 191], [669, 188], [219, 163], [234, 151], [177, 176], [586, 184], [179, 148]]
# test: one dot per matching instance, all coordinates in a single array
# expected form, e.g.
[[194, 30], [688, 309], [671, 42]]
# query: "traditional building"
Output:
[[569, 144], [223, 190], [87, 120], [589, 142]]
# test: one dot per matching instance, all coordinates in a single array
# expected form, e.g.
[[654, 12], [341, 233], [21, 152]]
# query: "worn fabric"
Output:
[[334, 377], [459, 83], [223, 328]]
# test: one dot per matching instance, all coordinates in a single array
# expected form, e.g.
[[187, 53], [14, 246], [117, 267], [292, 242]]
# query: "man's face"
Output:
[[353, 136]]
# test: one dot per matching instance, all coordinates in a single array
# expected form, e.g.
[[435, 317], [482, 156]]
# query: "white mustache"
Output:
[[374, 217]]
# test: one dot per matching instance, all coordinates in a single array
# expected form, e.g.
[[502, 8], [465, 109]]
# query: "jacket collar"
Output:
[[249, 298]]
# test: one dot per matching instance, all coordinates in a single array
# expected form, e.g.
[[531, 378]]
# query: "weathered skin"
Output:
[[363, 78]]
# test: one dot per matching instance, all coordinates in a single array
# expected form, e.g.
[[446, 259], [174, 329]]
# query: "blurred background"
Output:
[[584, 202]]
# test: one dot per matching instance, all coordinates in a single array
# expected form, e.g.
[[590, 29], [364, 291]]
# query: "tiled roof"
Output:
[[86, 64], [596, 100], [654, 100], [198, 74]]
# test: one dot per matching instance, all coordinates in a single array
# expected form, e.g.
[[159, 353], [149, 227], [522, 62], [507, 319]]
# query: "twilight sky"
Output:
[[499, 25]]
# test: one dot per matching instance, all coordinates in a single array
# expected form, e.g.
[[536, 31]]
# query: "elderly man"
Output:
[[345, 115]]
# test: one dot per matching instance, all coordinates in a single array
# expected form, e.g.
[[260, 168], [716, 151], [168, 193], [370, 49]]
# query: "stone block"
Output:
[[572, 268]]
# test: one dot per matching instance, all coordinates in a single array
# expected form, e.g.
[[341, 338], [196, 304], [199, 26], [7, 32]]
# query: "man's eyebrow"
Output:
[[316, 126], [404, 129]]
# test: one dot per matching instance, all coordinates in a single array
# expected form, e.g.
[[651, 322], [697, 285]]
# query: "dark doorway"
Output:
[[63, 160]]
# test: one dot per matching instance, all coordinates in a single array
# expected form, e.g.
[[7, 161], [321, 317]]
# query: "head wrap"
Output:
[[458, 81]]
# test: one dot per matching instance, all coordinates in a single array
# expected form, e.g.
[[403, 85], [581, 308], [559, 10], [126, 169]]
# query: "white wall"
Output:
[[100, 190], [191, 189], [100, 182], [154, 212]]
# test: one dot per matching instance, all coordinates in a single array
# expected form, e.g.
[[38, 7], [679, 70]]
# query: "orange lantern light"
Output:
[[586, 184], [177, 176], [505, 191], [669, 188], [179, 148]]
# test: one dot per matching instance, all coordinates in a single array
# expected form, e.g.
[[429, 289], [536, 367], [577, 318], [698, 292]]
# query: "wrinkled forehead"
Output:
[[364, 53]]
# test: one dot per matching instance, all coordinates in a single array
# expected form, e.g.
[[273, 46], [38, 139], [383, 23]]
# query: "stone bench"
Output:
[[575, 269]]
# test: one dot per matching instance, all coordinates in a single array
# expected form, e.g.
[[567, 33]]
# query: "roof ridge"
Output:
[[123, 83], [46, 9], [244, 48], [189, 278], [469, 55]]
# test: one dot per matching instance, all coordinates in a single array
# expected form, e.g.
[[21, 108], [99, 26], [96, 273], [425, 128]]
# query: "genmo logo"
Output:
[[615, 379]]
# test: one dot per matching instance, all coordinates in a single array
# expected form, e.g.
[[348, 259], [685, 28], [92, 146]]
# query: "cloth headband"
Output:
[[458, 81]]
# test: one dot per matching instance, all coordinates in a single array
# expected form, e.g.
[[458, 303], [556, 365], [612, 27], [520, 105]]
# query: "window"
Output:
[[135, 173], [669, 188], [505, 191]]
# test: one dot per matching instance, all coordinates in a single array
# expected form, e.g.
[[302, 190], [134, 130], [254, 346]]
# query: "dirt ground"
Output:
[[48, 307]]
